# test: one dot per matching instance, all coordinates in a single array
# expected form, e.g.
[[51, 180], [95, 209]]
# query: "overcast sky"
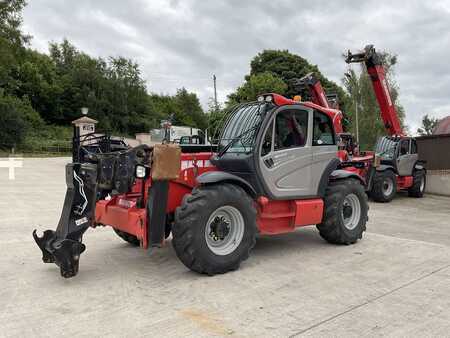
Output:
[[182, 43]]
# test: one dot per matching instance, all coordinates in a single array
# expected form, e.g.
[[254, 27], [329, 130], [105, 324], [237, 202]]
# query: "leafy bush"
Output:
[[17, 118]]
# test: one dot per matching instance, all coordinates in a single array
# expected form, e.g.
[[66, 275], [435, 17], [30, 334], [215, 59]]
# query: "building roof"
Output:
[[84, 119], [443, 127]]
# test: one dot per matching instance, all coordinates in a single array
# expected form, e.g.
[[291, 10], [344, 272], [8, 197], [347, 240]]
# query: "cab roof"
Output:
[[335, 114]]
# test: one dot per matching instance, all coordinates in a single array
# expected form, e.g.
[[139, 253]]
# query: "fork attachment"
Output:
[[63, 246]]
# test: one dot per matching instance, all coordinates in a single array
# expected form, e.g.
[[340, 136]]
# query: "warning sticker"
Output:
[[81, 221]]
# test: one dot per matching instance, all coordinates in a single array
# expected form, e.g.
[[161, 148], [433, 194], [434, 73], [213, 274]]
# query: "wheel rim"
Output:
[[388, 187], [351, 211], [224, 230], [422, 184]]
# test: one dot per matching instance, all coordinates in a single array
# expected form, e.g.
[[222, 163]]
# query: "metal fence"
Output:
[[435, 149], [37, 150]]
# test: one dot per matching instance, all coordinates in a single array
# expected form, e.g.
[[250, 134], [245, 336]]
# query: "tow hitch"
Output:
[[63, 246]]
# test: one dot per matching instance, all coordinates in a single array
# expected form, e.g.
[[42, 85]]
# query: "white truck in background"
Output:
[[181, 135]]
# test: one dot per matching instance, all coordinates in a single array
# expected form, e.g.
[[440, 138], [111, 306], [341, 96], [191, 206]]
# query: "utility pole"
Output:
[[357, 122], [215, 93]]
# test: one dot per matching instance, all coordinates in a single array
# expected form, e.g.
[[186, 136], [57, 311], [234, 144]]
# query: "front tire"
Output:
[[419, 184], [345, 212], [384, 186], [214, 228]]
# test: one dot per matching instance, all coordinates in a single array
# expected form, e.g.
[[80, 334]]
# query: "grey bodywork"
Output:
[[281, 172], [406, 162], [296, 172], [390, 151]]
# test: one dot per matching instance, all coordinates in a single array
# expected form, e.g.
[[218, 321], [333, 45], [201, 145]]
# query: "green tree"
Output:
[[12, 41], [258, 84], [216, 116], [12, 130], [428, 124], [17, 119], [52, 88], [188, 110], [288, 66]]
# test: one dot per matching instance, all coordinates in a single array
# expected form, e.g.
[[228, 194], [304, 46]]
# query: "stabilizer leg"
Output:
[[63, 246]]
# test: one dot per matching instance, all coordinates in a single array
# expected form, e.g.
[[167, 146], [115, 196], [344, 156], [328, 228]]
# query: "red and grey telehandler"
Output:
[[275, 168], [397, 165], [394, 165]]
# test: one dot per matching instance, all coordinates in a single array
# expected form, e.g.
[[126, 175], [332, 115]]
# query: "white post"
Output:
[[11, 164]]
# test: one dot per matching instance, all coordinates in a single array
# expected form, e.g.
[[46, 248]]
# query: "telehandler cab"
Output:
[[275, 169]]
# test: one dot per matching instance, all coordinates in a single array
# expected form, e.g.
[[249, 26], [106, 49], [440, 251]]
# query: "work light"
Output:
[[141, 171]]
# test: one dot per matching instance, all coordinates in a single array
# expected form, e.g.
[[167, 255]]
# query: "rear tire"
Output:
[[419, 184], [345, 212], [133, 240], [214, 228], [384, 186]]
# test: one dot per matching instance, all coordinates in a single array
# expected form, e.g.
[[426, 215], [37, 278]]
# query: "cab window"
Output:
[[404, 147], [413, 147], [291, 129], [323, 133], [267, 141]]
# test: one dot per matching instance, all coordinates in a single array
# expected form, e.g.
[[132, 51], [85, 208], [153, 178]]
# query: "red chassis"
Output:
[[145, 193], [274, 217]]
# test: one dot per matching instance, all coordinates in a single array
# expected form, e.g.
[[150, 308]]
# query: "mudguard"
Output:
[[342, 174], [212, 177], [383, 167], [420, 165], [323, 183]]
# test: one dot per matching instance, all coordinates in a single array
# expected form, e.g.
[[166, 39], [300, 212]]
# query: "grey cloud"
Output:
[[182, 43]]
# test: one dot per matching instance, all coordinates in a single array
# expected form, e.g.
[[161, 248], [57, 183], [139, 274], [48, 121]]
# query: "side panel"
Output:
[[322, 156], [308, 212], [405, 160], [287, 173], [123, 215], [404, 182], [277, 217], [291, 173]]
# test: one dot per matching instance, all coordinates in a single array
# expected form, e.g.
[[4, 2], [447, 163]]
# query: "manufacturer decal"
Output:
[[80, 208]]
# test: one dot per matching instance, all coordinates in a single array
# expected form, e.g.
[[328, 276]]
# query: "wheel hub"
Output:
[[347, 211], [388, 187], [351, 211], [224, 230], [220, 228], [422, 184]]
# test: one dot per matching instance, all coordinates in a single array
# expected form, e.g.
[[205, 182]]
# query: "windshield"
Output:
[[241, 127], [386, 148]]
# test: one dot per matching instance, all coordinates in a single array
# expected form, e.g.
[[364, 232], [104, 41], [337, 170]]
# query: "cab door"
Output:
[[324, 147], [405, 159], [286, 154]]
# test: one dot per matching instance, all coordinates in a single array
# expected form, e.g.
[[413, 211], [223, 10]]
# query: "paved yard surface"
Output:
[[395, 282]]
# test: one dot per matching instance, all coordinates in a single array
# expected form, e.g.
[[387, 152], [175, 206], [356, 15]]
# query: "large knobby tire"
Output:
[[345, 212], [384, 186], [214, 228], [419, 184], [133, 240]]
